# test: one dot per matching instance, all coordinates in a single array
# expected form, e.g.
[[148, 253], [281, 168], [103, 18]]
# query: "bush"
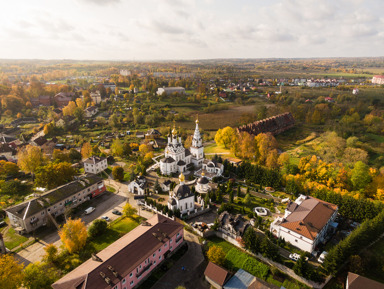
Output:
[[118, 173], [256, 268], [99, 226]]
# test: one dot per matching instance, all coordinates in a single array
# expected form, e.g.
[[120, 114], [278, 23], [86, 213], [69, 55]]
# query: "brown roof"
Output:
[[216, 273], [124, 256], [358, 282], [309, 218], [260, 284]]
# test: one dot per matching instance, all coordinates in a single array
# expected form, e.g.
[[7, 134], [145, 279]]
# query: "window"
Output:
[[178, 234], [154, 255], [170, 241], [154, 262], [54, 207], [131, 283], [140, 266], [165, 245], [130, 275], [115, 287], [296, 240], [61, 204], [160, 250], [170, 248], [159, 257], [123, 282]]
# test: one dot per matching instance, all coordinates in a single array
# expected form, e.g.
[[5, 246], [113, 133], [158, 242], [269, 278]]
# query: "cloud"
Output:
[[100, 2]]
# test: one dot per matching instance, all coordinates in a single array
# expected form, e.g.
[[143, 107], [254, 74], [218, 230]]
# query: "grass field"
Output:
[[12, 239]]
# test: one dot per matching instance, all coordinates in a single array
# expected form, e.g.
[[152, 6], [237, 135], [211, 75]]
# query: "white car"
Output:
[[89, 210], [106, 218], [294, 256], [322, 257]]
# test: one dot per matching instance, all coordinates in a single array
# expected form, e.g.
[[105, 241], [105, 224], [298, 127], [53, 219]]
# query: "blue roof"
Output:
[[241, 280]]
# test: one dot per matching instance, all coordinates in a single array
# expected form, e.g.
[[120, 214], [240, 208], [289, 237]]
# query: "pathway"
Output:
[[193, 260]]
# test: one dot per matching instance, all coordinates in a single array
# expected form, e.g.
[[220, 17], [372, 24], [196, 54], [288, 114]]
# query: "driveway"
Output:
[[192, 260]]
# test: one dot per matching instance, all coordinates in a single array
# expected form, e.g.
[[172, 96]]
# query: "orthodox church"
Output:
[[182, 197], [177, 158]]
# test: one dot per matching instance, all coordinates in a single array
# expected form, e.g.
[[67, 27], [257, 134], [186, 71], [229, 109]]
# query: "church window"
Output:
[[191, 205]]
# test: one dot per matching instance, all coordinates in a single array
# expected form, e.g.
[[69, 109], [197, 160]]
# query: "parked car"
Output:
[[116, 212], [294, 256], [89, 210], [322, 257], [2, 224], [106, 218]]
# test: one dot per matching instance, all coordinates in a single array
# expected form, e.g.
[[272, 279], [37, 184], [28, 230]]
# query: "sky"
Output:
[[136, 30]]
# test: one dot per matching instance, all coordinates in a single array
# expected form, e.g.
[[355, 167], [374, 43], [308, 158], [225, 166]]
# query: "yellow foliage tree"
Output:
[[70, 108], [11, 272], [128, 210], [73, 235], [86, 150], [30, 158], [216, 255], [225, 136], [80, 103], [266, 142]]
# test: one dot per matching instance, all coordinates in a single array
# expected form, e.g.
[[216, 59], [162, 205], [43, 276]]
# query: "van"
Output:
[[322, 257], [89, 210]]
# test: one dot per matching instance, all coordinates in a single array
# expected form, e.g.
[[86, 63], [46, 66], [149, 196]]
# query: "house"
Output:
[[305, 223], [91, 111], [216, 276], [129, 260], [23, 120], [166, 186], [49, 146], [182, 198], [95, 165], [7, 151], [355, 281], [170, 90], [96, 97], [66, 121], [63, 98], [41, 100], [39, 211], [378, 79], [138, 186], [39, 141], [233, 226]]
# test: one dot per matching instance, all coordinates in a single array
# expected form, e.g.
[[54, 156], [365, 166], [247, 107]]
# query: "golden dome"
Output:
[[182, 178], [174, 131], [202, 174], [197, 119]]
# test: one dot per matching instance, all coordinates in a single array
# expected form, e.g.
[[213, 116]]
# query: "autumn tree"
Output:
[[117, 148], [8, 168], [129, 210], [118, 173], [39, 276], [70, 108], [79, 114], [225, 136], [272, 159], [11, 272], [50, 253], [360, 177], [265, 142], [30, 158], [53, 175], [73, 235], [216, 255], [86, 150]]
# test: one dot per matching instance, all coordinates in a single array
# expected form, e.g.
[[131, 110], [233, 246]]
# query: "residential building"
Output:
[[40, 210], [43, 100], [66, 121], [306, 222], [170, 90], [216, 275], [138, 186], [63, 98], [378, 79], [7, 151], [95, 165], [91, 111], [355, 281], [126, 262], [182, 198]]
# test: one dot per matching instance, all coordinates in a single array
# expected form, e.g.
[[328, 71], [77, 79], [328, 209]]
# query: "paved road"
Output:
[[192, 277], [104, 205]]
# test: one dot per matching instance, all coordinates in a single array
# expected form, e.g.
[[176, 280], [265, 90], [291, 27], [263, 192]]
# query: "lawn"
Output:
[[213, 148], [111, 189], [115, 230], [12, 239]]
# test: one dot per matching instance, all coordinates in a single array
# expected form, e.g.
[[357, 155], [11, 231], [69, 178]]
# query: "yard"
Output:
[[12, 239], [236, 258]]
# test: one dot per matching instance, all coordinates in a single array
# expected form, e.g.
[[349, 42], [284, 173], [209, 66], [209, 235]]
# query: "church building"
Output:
[[177, 158], [182, 197]]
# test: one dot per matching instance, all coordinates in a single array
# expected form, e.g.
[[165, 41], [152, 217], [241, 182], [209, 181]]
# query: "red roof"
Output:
[[216, 273]]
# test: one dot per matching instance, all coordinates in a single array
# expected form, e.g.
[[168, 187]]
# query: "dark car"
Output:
[[2, 224], [116, 212]]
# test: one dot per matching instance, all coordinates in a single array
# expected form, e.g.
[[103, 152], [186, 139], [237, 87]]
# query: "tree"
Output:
[[118, 173], [53, 175], [11, 272], [86, 150], [128, 210], [247, 199], [8, 168], [73, 235], [74, 155], [251, 240], [117, 148], [79, 114], [114, 121], [360, 177], [272, 159], [14, 187], [98, 227], [216, 255], [356, 264], [225, 136], [39, 276], [60, 156], [239, 192], [30, 158], [265, 142], [127, 149], [70, 108], [50, 253]]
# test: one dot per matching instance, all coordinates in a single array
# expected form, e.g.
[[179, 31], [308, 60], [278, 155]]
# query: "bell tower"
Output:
[[197, 149]]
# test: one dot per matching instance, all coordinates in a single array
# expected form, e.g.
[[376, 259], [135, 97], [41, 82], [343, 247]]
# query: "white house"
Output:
[[378, 79], [306, 222], [182, 198], [170, 90], [95, 165], [138, 186], [91, 111]]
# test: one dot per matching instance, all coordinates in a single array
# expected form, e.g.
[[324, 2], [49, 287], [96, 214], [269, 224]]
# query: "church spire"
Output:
[[197, 141]]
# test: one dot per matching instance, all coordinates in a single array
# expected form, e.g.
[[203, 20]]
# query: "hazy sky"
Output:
[[190, 29]]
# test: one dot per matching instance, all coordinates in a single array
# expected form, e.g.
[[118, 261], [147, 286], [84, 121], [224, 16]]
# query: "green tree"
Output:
[[79, 114], [8, 168], [74, 155], [128, 210], [251, 240], [360, 177], [118, 173], [117, 148], [39, 276], [247, 200], [98, 227], [53, 175], [114, 121]]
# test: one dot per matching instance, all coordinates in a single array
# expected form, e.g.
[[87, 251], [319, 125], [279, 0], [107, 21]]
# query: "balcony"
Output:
[[146, 268]]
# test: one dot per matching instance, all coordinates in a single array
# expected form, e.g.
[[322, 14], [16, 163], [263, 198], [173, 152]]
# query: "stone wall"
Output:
[[275, 125]]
